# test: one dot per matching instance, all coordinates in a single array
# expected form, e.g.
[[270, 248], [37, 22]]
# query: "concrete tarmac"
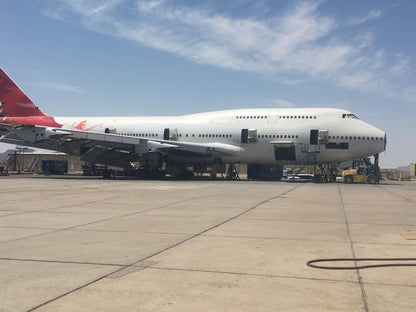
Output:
[[87, 244]]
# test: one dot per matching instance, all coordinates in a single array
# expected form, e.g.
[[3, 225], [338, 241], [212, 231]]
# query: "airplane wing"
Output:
[[114, 149]]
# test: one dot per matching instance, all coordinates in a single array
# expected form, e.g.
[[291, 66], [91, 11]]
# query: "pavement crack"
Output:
[[63, 262], [359, 277]]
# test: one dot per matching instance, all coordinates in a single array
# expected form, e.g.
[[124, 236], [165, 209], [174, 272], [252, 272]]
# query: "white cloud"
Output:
[[58, 86], [284, 103], [370, 16], [296, 45]]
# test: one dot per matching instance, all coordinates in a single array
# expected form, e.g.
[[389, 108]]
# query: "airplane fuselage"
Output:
[[330, 135]]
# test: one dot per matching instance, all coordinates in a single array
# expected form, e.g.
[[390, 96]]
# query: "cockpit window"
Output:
[[349, 116]]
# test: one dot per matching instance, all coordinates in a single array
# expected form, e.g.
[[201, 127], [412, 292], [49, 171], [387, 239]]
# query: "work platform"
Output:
[[87, 244]]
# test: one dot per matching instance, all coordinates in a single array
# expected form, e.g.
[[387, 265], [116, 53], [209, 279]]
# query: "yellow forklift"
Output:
[[358, 175], [366, 172]]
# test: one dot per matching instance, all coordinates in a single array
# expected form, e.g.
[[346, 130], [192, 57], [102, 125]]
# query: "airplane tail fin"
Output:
[[13, 101]]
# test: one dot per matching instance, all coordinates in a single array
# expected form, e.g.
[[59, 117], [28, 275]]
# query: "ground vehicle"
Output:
[[360, 175]]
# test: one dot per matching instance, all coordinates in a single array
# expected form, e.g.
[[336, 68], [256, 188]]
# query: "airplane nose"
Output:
[[382, 136], [380, 142]]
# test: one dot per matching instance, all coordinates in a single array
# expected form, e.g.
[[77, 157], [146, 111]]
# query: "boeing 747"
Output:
[[267, 136]]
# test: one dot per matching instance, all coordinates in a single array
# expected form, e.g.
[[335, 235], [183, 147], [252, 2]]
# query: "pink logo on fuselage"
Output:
[[83, 126]]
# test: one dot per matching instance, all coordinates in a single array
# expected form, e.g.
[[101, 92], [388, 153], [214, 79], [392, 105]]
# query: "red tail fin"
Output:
[[13, 102]]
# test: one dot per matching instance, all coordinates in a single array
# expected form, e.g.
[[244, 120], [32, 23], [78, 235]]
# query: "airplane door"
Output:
[[112, 131], [170, 134], [323, 136], [318, 137], [166, 134], [314, 137], [244, 136], [248, 136]]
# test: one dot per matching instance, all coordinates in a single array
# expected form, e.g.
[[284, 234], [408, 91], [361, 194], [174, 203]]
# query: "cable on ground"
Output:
[[311, 263]]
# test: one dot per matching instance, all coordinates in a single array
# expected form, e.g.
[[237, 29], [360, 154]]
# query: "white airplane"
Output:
[[250, 136]]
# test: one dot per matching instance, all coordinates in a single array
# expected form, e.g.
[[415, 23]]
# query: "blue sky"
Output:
[[124, 57]]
